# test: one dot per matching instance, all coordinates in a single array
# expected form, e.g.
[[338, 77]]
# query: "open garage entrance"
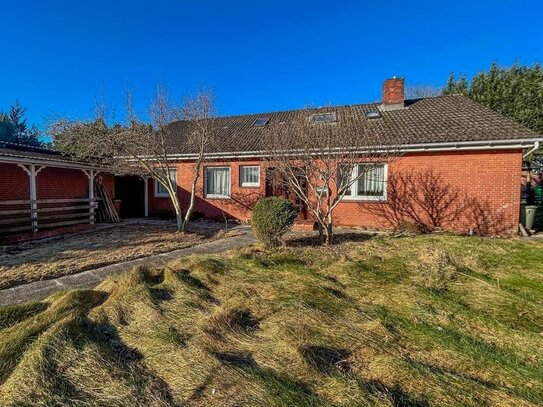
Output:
[[130, 189]]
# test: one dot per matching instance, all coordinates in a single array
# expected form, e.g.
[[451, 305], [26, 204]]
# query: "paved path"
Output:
[[39, 290]]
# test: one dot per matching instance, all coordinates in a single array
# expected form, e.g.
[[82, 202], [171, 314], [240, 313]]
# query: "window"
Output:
[[370, 184], [373, 114], [160, 190], [261, 121], [323, 118], [217, 182], [322, 191], [249, 176]]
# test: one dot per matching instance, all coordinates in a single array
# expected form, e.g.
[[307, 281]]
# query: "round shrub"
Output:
[[272, 218]]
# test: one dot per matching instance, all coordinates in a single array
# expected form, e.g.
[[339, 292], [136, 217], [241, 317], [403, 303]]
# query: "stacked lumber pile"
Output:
[[106, 212]]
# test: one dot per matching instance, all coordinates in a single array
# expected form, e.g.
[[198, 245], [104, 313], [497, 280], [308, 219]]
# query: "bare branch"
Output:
[[320, 162]]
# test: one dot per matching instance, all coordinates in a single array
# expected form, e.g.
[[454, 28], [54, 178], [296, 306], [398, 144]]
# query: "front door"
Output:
[[131, 191], [276, 185]]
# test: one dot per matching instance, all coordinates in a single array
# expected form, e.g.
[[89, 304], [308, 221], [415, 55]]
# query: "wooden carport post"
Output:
[[32, 173], [90, 175]]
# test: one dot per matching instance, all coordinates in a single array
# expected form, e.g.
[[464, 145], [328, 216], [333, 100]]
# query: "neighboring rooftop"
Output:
[[447, 118]]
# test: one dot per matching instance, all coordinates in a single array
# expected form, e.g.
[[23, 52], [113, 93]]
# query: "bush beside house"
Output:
[[272, 218]]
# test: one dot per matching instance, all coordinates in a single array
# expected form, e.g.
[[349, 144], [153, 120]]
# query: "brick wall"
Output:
[[487, 186], [61, 183], [51, 183], [239, 206], [487, 183], [14, 184]]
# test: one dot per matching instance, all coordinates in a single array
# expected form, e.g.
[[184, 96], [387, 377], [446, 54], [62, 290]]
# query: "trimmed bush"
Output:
[[272, 218]]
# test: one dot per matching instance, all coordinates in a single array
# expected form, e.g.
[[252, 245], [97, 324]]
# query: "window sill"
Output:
[[162, 196], [254, 186], [217, 197], [368, 199]]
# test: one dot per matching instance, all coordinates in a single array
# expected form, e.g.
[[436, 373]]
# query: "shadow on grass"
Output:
[[146, 386], [396, 396], [443, 371], [16, 339], [314, 240], [234, 320], [284, 390], [197, 285], [13, 314], [326, 360]]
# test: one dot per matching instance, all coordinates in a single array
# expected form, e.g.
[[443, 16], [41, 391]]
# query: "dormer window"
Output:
[[323, 118]]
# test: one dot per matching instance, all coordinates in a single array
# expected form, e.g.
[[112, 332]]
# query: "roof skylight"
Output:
[[323, 118], [373, 114], [261, 121]]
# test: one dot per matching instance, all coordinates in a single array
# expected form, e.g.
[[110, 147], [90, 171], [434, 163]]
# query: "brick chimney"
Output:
[[393, 94]]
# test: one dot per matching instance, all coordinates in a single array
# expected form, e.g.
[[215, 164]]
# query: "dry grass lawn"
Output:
[[419, 321], [38, 260]]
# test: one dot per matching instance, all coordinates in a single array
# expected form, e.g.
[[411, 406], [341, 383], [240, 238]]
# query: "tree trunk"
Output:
[[328, 235], [321, 231], [179, 218], [190, 209], [180, 222], [329, 231]]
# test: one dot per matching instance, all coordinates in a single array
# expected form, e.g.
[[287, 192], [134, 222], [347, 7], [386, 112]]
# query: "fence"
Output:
[[32, 216]]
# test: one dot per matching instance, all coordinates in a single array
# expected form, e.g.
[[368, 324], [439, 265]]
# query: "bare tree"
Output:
[[139, 147], [320, 156], [199, 113], [422, 91]]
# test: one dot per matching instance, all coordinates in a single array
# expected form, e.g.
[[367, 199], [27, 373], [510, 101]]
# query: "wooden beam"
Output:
[[55, 209], [40, 201]]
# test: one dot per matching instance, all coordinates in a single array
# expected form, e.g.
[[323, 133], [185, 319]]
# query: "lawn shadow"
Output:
[[146, 385], [396, 396], [326, 360], [313, 239], [285, 390], [234, 320], [198, 286]]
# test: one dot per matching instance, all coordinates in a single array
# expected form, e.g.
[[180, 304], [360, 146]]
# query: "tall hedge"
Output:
[[272, 218]]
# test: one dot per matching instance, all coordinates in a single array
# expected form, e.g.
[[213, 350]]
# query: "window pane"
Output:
[[345, 175], [250, 175], [161, 189], [218, 181], [372, 182]]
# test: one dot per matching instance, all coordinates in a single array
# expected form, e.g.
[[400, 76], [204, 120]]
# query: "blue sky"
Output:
[[60, 57]]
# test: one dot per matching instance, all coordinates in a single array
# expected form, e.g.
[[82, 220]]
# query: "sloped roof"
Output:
[[440, 119], [16, 151]]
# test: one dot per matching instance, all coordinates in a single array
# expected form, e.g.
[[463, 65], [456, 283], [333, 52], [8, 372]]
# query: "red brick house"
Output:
[[474, 153], [472, 157], [43, 193]]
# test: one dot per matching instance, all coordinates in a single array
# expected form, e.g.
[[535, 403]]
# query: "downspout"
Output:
[[534, 148], [529, 175]]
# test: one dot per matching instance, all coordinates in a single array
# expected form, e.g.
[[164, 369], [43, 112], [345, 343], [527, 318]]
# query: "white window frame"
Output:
[[218, 196], [354, 186], [248, 184], [158, 185]]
